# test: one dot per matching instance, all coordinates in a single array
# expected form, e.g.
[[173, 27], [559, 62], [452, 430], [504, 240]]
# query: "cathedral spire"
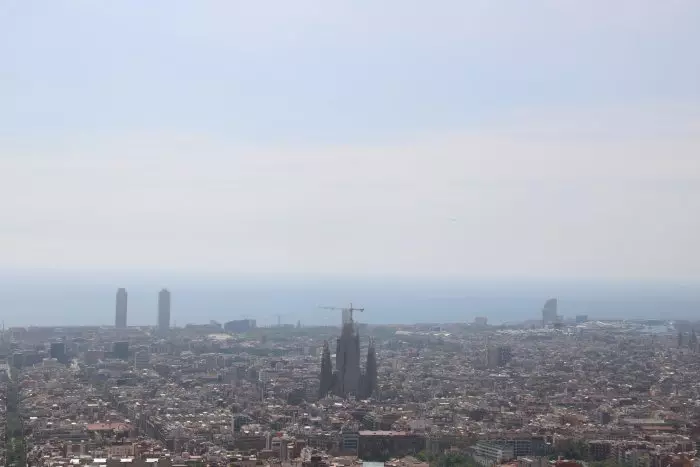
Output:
[[370, 380], [347, 362], [326, 371]]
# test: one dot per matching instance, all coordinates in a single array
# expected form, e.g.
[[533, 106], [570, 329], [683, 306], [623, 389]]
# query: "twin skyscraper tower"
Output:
[[163, 310]]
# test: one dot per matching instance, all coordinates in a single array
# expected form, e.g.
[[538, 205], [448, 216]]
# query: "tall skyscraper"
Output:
[[57, 350], [549, 312], [120, 315], [498, 356], [164, 310]]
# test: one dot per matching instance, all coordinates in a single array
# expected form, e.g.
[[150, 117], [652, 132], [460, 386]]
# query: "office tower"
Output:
[[549, 312], [481, 321], [142, 359], [120, 315], [164, 310], [17, 360], [498, 356], [693, 341], [57, 350], [121, 350]]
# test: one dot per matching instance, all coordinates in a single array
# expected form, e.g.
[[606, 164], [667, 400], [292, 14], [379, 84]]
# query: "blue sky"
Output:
[[400, 137]]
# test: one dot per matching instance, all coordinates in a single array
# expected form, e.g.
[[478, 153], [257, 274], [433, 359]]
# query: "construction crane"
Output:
[[347, 312]]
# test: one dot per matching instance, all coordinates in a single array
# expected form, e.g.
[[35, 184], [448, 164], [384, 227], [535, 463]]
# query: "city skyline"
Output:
[[81, 301]]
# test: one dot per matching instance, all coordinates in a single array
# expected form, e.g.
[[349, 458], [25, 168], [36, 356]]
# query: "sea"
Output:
[[57, 299]]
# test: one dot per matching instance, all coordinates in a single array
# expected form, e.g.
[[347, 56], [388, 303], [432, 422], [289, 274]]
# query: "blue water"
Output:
[[72, 299]]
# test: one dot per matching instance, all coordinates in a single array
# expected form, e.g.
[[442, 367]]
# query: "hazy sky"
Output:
[[463, 138]]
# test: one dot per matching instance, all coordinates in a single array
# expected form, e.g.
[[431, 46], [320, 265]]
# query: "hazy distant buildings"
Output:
[[481, 321], [549, 312], [142, 359], [240, 325], [691, 341], [693, 344], [57, 350], [164, 311], [498, 356], [121, 350], [120, 315]]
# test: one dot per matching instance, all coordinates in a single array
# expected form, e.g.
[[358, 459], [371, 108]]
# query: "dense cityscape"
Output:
[[548, 391], [349, 233]]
